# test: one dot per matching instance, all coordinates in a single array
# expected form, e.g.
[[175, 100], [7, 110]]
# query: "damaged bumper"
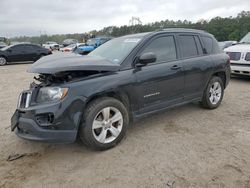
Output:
[[30, 130], [55, 122]]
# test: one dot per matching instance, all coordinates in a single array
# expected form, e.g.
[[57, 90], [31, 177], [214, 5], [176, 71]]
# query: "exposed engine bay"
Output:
[[62, 77]]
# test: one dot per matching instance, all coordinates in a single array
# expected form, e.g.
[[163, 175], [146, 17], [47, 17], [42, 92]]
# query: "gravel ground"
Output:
[[183, 147]]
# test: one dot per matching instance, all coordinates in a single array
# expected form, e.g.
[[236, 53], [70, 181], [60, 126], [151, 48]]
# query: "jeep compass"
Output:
[[95, 97]]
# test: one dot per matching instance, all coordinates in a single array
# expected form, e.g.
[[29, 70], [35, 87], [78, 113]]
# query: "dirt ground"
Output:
[[183, 147]]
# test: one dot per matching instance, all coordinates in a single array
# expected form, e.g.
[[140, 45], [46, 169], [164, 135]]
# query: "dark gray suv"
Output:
[[98, 95]]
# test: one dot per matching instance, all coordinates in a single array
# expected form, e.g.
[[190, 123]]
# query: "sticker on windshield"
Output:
[[134, 40]]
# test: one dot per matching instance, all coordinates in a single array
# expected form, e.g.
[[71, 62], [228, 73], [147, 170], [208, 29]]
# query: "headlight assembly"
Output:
[[48, 94]]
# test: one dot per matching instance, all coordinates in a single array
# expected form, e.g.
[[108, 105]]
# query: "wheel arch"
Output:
[[118, 95], [4, 57], [222, 75]]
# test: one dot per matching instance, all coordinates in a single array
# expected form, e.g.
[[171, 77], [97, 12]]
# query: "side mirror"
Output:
[[146, 58], [9, 50]]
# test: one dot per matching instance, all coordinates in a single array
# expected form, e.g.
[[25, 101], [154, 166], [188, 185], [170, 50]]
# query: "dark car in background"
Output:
[[22, 52], [68, 42], [91, 44], [96, 96]]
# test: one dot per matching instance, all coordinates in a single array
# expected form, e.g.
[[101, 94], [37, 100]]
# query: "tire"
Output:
[[213, 93], [3, 61], [106, 132]]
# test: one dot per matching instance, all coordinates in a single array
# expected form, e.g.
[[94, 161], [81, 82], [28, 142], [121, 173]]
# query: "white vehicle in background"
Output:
[[240, 56], [71, 47], [51, 45]]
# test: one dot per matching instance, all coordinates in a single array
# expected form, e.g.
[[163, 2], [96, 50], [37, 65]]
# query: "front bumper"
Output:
[[30, 130], [240, 69], [55, 122]]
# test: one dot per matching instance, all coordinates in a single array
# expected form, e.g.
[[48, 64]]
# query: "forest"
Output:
[[230, 28]]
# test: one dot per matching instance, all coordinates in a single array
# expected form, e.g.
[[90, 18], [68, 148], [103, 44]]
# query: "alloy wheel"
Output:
[[107, 125], [215, 93], [2, 61]]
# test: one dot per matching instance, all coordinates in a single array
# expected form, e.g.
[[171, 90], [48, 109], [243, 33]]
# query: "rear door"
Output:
[[196, 65], [160, 84]]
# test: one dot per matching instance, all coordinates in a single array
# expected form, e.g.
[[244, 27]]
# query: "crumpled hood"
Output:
[[62, 62]]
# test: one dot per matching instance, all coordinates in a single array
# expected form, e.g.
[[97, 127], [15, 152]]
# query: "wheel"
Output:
[[213, 93], [3, 61], [105, 123]]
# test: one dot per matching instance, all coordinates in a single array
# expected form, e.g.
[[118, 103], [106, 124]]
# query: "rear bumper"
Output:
[[241, 70], [30, 130]]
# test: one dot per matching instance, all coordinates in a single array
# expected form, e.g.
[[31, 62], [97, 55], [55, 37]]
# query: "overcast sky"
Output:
[[32, 17]]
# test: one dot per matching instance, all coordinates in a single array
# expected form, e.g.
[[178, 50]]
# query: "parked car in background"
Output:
[[22, 52], [51, 45], [2, 44], [240, 56], [91, 44], [226, 44], [68, 42], [71, 48], [68, 48], [78, 48], [96, 96]]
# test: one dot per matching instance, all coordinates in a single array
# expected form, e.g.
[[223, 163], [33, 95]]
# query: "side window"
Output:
[[163, 47], [208, 44], [34, 47], [29, 48], [198, 43], [17, 48], [188, 46], [26, 48]]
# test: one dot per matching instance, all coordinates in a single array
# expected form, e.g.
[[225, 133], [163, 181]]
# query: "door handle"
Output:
[[175, 67]]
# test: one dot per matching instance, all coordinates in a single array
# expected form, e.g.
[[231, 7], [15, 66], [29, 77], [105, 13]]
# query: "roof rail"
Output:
[[182, 29]]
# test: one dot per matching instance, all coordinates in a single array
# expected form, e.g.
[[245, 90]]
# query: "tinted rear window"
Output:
[[208, 44], [198, 43], [188, 46]]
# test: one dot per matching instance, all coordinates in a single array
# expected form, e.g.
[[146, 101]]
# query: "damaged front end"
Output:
[[52, 108], [63, 77]]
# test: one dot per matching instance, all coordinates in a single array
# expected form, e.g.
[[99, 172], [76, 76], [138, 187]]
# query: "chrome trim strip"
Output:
[[27, 102]]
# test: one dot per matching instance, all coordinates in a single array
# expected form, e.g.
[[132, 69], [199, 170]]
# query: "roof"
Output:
[[185, 30]]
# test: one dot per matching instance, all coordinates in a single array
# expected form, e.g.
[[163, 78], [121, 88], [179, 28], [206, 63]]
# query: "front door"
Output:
[[160, 84]]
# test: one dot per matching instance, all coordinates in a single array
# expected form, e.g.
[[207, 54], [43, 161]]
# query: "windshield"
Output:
[[117, 49], [71, 46], [246, 38], [6, 47]]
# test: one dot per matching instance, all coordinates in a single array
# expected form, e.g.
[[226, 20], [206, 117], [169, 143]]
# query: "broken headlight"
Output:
[[48, 94]]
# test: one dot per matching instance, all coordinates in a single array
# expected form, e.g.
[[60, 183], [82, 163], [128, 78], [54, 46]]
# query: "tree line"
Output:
[[230, 28]]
